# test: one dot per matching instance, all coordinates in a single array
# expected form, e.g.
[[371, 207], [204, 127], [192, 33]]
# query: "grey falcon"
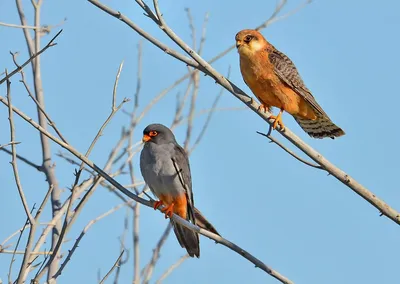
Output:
[[165, 168]]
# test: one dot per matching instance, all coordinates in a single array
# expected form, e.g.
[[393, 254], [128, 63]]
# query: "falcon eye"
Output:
[[248, 38], [153, 133]]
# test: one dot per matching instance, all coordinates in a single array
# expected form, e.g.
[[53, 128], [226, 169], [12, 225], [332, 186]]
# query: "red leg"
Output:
[[157, 204], [169, 210]]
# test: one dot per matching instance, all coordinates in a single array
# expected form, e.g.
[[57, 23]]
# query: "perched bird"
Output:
[[165, 169], [274, 80]]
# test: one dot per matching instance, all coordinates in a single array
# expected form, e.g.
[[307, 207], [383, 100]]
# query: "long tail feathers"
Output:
[[188, 239], [321, 127], [203, 223]]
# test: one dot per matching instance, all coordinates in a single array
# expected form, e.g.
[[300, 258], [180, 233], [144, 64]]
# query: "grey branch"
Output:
[[18, 69], [112, 268], [172, 268], [287, 150]]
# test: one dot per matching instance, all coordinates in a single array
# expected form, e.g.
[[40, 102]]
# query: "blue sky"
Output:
[[301, 222]]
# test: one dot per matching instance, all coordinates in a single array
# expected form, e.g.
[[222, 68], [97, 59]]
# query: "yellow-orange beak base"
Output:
[[146, 138]]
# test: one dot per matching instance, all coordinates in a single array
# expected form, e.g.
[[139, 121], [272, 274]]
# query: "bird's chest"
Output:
[[262, 81], [159, 173]]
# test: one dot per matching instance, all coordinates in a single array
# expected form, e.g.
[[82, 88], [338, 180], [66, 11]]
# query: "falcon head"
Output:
[[249, 41], [158, 134]]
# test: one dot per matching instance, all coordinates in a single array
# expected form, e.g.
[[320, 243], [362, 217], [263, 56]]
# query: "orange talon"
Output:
[[277, 120], [169, 210], [157, 204]]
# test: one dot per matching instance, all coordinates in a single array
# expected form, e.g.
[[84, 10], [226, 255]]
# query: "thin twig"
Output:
[[18, 69], [136, 246], [57, 217], [191, 27], [45, 29], [180, 105], [122, 248], [56, 248], [147, 271], [203, 34], [172, 268], [14, 155], [82, 234], [210, 114], [23, 252], [287, 150], [25, 160], [114, 110], [139, 78], [112, 268], [8, 144], [21, 231], [19, 26], [23, 81]]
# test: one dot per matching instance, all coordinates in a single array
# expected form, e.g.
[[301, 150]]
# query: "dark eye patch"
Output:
[[248, 38]]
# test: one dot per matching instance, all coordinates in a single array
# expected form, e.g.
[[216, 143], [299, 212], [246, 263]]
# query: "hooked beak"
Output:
[[238, 44], [146, 138]]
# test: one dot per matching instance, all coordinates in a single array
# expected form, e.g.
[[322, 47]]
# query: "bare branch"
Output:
[[19, 26], [122, 240], [26, 161], [136, 247], [23, 252], [191, 27], [139, 77], [57, 246], [46, 198], [45, 29], [8, 144], [287, 150], [147, 271], [18, 69], [114, 110], [14, 155], [172, 268], [180, 105], [210, 114], [112, 268], [203, 33], [82, 234], [21, 231], [23, 81]]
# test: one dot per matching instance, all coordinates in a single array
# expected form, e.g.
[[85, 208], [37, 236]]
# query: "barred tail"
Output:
[[321, 127]]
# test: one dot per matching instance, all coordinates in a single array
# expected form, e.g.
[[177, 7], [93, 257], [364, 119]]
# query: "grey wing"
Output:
[[287, 72], [181, 164], [145, 172]]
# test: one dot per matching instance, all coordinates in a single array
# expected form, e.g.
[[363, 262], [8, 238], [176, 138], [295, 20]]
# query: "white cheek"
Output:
[[256, 46]]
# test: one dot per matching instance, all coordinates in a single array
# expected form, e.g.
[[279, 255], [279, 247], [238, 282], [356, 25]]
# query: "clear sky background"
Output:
[[301, 222]]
